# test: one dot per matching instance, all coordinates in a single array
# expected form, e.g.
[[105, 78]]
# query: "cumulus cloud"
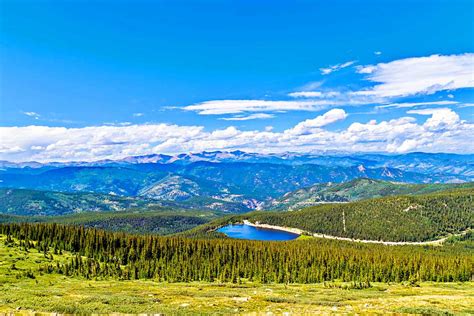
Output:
[[441, 119], [309, 126], [441, 131], [419, 75], [249, 117], [330, 69]]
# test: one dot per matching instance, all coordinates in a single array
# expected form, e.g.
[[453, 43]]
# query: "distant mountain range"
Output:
[[237, 181], [434, 163]]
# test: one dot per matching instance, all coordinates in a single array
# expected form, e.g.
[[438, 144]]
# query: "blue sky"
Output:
[[81, 65]]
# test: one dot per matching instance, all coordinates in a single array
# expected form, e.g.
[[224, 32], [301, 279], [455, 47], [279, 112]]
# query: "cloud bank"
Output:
[[441, 131]]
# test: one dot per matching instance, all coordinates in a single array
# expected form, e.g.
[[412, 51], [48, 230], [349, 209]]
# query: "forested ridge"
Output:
[[47, 203], [144, 222], [102, 254], [397, 218]]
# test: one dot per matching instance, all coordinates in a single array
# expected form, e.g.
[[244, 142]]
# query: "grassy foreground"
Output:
[[23, 286]]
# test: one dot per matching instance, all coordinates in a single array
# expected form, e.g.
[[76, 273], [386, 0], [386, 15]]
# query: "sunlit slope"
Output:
[[358, 189], [395, 218], [24, 287], [162, 222]]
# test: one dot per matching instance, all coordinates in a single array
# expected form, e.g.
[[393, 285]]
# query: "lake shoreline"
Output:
[[300, 232], [295, 231], [245, 230]]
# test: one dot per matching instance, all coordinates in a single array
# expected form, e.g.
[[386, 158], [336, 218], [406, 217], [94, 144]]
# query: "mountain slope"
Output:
[[395, 218], [261, 180], [428, 163], [358, 189], [115, 180], [34, 202], [50, 203], [232, 177], [162, 222]]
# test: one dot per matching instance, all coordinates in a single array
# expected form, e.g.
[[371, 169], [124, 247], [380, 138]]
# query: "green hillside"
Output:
[[102, 254], [33, 202], [396, 218], [143, 222], [48, 203], [358, 189], [27, 288]]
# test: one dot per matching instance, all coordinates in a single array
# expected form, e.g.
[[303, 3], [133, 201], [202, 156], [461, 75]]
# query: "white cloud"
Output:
[[378, 53], [137, 114], [441, 119], [308, 126], [442, 131], [313, 85], [429, 111], [306, 94], [330, 69], [249, 117], [32, 114], [399, 78], [10, 149], [415, 104], [419, 75], [219, 107], [314, 94]]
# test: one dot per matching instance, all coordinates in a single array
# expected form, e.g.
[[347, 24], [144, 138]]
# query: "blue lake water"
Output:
[[242, 231]]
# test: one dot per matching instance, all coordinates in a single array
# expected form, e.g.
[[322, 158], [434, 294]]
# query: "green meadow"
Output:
[[24, 290]]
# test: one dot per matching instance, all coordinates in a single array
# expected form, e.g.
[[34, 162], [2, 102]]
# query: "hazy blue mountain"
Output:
[[109, 180], [236, 179], [262, 180], [440, 163]]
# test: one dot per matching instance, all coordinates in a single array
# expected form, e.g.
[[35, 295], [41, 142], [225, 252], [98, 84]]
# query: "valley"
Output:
[[184, 234], [274, 158]]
